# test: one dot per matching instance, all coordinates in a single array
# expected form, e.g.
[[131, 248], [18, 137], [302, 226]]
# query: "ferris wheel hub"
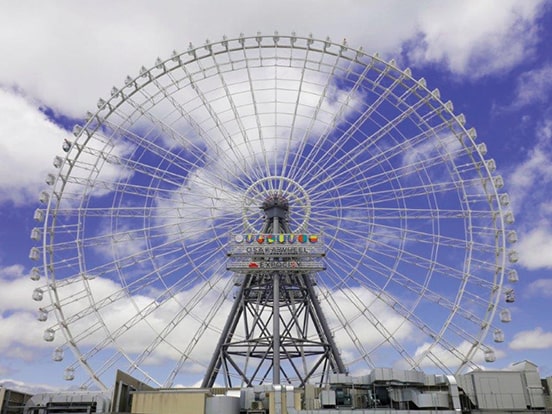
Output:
[[274, 195], [275, 200]]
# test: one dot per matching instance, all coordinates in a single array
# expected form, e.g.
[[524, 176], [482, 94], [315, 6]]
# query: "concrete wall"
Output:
[[169, 402]]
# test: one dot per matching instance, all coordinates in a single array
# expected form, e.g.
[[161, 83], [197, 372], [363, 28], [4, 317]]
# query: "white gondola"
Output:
[[504, 199], [36, 234], [505, 315], [49, 335], [38, 215], [38, 294], [58, 354], [498, 335], [490, 356], [44, 197], [42, 315], [35, 274], [66, 145], [34, 254], [510, 296], [69, 374]]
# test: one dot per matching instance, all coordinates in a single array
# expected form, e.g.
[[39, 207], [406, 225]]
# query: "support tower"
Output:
[[276, 331]]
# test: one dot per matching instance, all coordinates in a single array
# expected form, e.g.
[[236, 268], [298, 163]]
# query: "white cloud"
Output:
[[190, 309], [17, 310], [210, 192], [533, 339], [70, 55], [83, 50], [540, 287], [533, 87], [359, 308], [26, 387], [20, 331], [448, 358], [475, 38], [16, 290], [28, 144], [535, 247], [530, 186]]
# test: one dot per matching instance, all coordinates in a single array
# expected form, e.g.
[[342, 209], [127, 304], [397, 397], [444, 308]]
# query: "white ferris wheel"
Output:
[[132, 270]]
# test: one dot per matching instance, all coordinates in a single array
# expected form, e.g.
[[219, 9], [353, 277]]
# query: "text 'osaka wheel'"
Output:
[[330, 140]]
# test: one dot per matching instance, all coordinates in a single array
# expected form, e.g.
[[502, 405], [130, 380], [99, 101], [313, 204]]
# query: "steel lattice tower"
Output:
[[282, 329]]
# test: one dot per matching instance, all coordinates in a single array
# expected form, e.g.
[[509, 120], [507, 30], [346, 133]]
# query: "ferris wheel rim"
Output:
[[152, 75]]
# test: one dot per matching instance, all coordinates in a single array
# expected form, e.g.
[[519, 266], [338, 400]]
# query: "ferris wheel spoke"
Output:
[[180, 108], [178, 318], [408, 315], [184, 163], [372, 319], [112, 361], [388, 251], [238, 119], [141, 317], [171, 267], [335, 119], [294, 127], [206, 323], [370, 142], [265, 165], [147, 170], [423, 292], [324, 85], [377, 180], [166, 229], [387, 272], [239, 157], [367, 113], [444, 269], [271, 134], [107, 302], [411, 213], [331, 302]]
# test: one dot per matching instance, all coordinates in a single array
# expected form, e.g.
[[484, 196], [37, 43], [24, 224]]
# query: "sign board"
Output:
[[254, 266], [280, 245], [276, 252]]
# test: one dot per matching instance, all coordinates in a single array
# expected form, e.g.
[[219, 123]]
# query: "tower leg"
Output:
[[276, 330]]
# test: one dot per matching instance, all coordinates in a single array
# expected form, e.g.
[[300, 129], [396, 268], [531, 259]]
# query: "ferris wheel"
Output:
[[135, 229]]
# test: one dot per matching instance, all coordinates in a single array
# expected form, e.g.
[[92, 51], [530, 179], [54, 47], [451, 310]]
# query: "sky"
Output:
[[491, 59]]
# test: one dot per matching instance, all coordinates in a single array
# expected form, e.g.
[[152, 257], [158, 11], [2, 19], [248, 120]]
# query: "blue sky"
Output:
[[491, 59]]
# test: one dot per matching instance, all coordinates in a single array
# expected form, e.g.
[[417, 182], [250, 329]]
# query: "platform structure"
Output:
[[276, 331]]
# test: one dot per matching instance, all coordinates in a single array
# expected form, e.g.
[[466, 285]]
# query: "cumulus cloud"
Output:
[[448, 358], [534, 86], [66, 57], [534, 248], [20, 331], [16, 289], [25, 387], [70, 55], [536, 338], [540, 287], [29, 143], [476, 38], [530, 189]]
